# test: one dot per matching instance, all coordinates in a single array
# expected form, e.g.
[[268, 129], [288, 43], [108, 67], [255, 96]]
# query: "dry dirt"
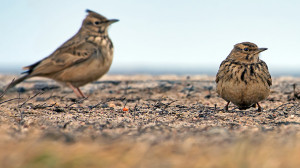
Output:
[[146, 121]]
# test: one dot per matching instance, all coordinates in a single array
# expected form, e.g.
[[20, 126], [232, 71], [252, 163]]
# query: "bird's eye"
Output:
[[97, 22], [246, 49]]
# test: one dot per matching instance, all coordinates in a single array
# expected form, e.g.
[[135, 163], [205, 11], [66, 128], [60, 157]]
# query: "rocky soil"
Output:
[[146, 121]]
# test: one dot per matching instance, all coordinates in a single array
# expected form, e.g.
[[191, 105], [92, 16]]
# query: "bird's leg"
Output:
[[81, 94], [226, 107], [76, 90], [259, 108]]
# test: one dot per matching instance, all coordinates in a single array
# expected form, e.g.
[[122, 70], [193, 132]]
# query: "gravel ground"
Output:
[[146, 121]]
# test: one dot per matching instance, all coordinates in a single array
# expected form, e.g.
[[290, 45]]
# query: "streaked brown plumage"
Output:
[[82, 59], [243, 78]]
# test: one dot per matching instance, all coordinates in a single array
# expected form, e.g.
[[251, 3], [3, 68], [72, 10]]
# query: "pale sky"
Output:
[[159, 35]]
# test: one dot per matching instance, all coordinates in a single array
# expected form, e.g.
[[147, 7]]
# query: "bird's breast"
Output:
[[243, 83]]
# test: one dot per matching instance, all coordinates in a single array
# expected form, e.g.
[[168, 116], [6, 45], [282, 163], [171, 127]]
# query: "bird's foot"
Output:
[[259, 109], [226, 107]]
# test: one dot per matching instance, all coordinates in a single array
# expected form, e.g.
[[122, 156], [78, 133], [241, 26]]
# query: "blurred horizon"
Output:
[[164, 70]]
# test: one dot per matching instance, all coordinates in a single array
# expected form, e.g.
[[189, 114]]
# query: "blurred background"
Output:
[[156, 37]]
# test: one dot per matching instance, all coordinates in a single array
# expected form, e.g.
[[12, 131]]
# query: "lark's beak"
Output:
[[111, 21], [262, 49]]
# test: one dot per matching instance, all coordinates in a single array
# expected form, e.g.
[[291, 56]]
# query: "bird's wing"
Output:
[[221, 71], [266, 72], [69, 54]]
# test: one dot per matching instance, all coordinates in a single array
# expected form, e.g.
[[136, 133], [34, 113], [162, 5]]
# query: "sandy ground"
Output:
[[146, 121]]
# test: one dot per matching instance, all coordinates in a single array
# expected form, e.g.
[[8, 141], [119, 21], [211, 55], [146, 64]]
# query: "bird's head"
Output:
[[96, 23], [246, 52]]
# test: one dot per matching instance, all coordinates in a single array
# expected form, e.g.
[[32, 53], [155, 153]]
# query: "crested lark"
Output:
[[243, 78], [82, 59]]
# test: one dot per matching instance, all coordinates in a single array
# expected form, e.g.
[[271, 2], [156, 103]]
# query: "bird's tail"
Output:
[[15, 82]]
